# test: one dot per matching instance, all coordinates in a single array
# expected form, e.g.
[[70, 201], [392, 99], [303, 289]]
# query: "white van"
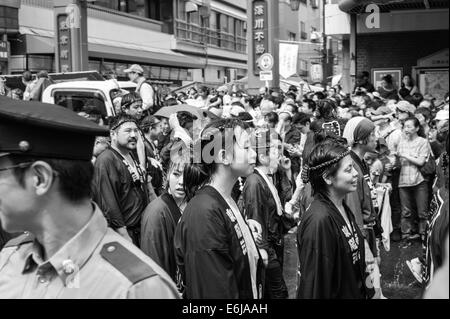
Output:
[[76, 95]]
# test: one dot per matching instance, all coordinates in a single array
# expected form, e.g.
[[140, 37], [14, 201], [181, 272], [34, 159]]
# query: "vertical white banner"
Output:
[[288, 59]]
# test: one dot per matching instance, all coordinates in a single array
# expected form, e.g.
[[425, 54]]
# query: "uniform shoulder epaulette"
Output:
[[20, 240], [130, 265]]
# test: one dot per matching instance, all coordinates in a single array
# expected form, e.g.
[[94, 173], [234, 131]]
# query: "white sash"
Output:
[[252, 250], [273, 190]]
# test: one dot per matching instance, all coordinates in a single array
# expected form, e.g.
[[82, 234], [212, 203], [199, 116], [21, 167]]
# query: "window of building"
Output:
[[303, 34], [292, 36], [154, 10]]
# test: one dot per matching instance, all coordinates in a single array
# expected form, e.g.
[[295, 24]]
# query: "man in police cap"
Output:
[[66, 250]]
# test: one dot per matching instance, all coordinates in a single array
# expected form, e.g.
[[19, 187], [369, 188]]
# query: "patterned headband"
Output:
[[306, 170], [122, 122]]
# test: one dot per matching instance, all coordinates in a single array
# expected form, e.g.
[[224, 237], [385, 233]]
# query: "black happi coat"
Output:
[[260, 205], [208, 252], [327, 270], [159, 221], [120, 199]]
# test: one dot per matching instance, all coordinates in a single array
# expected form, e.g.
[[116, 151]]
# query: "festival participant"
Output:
[[161, 217], [214, 247], [119, 183], [264, 210], [438, 230], [329, 243], [360, 135]]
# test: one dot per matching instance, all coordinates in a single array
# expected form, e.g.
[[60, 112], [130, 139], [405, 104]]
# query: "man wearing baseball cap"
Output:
[[136, 74], [66, 249]]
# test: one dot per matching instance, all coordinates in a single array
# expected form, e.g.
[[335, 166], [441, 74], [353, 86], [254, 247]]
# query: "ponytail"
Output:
[[195, 176]]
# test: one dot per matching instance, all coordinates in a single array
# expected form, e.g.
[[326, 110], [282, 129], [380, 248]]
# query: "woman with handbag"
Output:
[[413, 151]]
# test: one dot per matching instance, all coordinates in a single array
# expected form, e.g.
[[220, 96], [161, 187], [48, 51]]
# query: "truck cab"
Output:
[[88, 96]]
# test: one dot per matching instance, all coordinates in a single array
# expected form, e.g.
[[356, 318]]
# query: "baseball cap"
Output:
[[442, 115], [136, 68], [222, 88], [405, 106]]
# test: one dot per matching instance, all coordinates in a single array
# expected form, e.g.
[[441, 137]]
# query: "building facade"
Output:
[[170, 39], [405, 37]]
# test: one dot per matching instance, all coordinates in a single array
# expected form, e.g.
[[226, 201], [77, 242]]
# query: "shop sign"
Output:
[[64, 44], [260, 34]]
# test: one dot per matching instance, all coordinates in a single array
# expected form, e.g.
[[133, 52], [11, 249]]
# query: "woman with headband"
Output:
[[329, 242]]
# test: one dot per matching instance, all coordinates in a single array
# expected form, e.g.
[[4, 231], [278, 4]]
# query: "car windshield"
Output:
[[88, 104]]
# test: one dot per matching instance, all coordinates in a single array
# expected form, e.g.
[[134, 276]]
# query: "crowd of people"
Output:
[[209, 195]]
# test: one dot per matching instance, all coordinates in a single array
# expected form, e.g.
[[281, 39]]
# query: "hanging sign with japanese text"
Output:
[[64, 44], [288, 59], [260, 34]]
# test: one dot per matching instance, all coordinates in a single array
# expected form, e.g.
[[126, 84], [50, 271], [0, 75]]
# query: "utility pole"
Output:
[[324, 48]]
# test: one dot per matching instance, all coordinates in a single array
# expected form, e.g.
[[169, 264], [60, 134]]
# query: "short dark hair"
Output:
[[75, 176], [185, 118], [417, 98], [325, 108], [311, 104], [388, 78], [27, 76], [129, 99], [42, 74], [272, 117], [320, 95], [204, 89], [425, 112], [301, 119]]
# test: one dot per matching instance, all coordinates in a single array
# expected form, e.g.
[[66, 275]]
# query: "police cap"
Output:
[[45, 130]]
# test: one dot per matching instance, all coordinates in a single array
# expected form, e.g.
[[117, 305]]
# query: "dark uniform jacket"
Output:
[[331, 259], [121, 200], [360, 201], [209, 253], [159, 221], [260, 205]]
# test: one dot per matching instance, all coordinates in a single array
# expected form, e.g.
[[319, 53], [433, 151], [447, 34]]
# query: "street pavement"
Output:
[[396, 279]]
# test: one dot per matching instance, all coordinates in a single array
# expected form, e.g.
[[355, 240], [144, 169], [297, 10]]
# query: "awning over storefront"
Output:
[[102, 49], [226, 64], [42, 42], [357, 6]]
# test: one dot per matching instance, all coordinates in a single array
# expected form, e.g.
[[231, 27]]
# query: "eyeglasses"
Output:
[[21, 165]]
